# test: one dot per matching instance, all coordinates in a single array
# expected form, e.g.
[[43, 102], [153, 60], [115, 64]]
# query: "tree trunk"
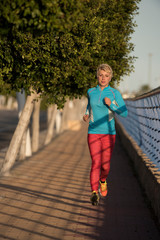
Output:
[[64, 123], [49, 114], [25, 148], [35, 126], [51, 122], [58, 121], [9, 103], [18, 134], [28, 143], [22, 152]]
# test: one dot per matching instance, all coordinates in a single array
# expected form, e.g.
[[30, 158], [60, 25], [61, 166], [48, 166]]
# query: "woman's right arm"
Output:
[[87, 113]]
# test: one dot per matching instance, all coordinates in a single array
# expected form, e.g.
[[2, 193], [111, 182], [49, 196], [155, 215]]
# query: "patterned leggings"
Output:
[[101, 148]]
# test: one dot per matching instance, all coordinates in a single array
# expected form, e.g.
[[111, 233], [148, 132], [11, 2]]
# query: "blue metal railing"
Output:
[[143, 123]]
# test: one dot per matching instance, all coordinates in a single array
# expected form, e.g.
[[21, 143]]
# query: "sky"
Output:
[[146, 39]]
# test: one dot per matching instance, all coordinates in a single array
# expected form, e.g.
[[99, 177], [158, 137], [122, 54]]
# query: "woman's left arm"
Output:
[[119, 106]]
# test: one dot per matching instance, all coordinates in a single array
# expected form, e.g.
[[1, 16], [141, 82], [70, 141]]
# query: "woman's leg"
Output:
[[95, 148], [108, 142]]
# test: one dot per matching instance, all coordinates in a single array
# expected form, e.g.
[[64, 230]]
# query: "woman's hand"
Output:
[[107, 101], [85, 118]]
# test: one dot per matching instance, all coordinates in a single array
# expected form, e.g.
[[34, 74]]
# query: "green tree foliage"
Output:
[[143, 89], [56, 46]]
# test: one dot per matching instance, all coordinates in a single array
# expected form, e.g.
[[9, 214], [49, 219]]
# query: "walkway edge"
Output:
[[148, 174]]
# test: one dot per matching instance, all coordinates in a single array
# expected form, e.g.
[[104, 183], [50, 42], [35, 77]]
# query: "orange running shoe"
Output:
[[103, 189], [94, 198]]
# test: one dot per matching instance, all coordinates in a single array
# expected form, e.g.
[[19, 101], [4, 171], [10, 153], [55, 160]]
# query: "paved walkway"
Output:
[[47, 197]]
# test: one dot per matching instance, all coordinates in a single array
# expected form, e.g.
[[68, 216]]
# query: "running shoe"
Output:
[[103, 189], [94, 198]]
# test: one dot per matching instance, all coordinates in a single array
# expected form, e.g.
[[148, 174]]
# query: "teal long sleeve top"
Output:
[[101, 115]]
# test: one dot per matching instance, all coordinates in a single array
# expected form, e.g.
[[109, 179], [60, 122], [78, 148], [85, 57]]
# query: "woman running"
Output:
[[103, 102]]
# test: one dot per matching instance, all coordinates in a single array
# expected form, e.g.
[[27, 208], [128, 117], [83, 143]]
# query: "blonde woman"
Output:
[[103, 102]]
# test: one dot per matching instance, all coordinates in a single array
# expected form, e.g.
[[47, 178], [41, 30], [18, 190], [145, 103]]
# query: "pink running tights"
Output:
[[101, 148]]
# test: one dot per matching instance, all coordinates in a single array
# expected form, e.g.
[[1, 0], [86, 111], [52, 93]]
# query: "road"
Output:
[[8, 123]]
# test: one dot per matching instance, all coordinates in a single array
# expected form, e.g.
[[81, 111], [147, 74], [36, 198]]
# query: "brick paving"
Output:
[[47, 197]]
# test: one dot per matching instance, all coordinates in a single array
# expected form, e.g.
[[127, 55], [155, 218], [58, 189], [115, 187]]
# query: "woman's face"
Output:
[[104, 78]]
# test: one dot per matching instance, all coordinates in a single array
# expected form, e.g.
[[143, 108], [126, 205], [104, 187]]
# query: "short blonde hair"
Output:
[[105, 67]]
